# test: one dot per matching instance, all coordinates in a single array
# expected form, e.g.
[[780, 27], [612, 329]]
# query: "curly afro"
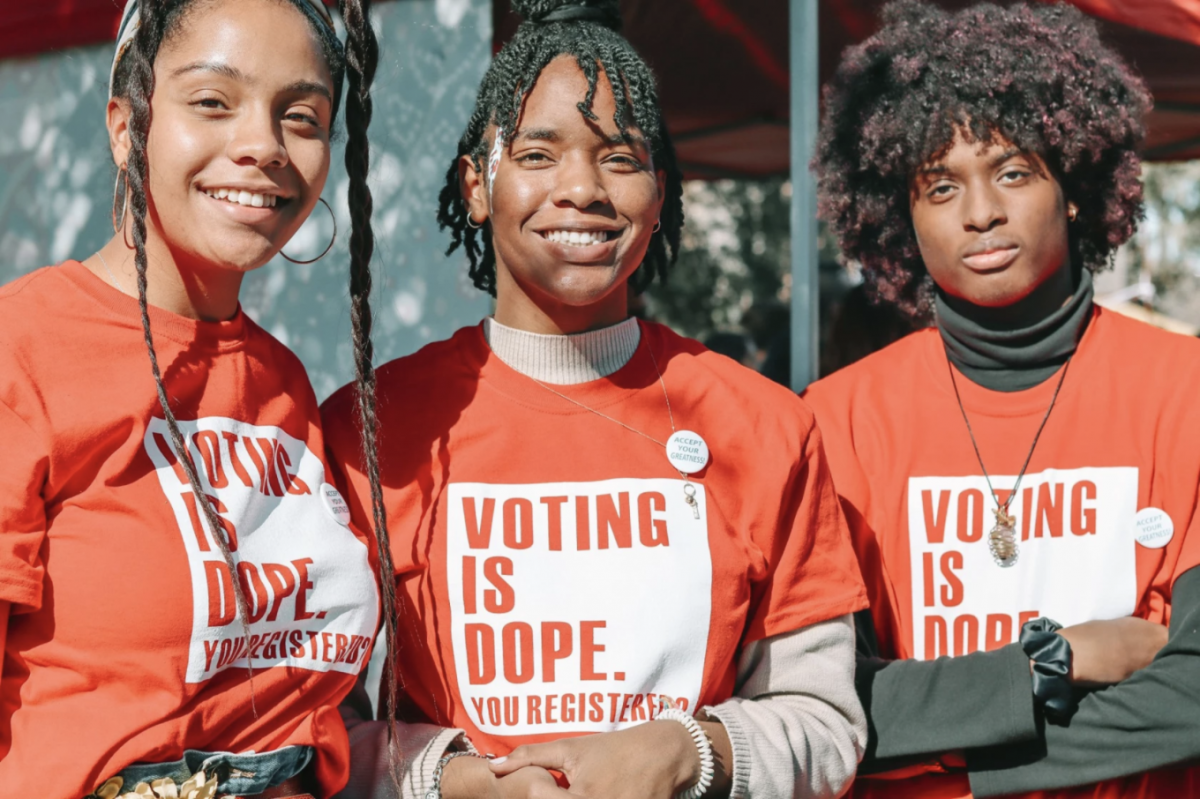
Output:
[[1036, 75]]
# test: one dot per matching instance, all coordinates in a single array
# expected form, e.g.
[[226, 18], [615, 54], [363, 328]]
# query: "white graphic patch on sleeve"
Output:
[[575, 606], [306, 577], [1075, 531]]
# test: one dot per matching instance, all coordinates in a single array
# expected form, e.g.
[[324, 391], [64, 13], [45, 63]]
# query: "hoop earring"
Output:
[[327, 248], [657, 226], [1072, 213], [120, 198], [471, 223]]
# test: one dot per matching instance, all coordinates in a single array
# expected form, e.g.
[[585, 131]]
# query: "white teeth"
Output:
[[243, 197], [577, 238]]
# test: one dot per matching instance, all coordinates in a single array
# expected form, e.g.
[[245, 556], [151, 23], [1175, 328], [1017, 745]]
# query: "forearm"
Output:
[[722, 759], [796, 728], [928, 707], [1149, 721], [420, 746]]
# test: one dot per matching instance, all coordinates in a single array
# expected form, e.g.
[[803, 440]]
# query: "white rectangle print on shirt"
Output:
[[1076, 561], [576, 607], [308, 584]]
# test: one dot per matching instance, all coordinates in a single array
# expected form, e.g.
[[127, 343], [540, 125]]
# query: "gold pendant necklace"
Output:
[[1002, 540], [683, 447]]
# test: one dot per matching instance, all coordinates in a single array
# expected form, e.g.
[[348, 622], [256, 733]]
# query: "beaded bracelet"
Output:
[[703, 746], [435, 790]]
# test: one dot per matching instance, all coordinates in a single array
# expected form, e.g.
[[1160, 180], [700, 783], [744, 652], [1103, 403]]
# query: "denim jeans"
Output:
[[240, 775]]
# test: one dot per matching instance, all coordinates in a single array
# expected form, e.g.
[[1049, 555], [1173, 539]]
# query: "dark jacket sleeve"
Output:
[[917, 709], [1149, 721]]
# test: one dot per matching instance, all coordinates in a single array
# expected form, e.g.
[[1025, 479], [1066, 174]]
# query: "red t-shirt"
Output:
[[124, 645], [554, 580], [1106, 512]]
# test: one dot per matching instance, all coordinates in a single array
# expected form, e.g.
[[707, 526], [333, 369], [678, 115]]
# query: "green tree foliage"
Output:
[[735, 253]]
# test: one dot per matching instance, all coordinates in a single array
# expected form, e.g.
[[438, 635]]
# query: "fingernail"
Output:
[[500, 760]]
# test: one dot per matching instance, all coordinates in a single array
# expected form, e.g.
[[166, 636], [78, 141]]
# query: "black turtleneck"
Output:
[[1018, 346]]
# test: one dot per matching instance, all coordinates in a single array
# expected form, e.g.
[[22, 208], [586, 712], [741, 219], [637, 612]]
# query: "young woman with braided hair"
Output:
[[182, 595], [619, 556], [1020, 480]]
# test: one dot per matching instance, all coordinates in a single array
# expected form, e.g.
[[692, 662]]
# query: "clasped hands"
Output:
[[655, 760]]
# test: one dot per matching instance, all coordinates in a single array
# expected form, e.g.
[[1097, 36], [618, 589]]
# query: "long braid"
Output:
[[362, 55], [141, 88]]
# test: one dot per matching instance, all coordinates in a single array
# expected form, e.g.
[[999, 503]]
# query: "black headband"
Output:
[[582, 14]]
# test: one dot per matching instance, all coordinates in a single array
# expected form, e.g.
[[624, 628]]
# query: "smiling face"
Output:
[[572, 209], [239, 145], [991, 222]]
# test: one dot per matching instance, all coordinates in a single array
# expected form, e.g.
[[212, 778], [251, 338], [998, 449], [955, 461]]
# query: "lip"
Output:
[[580, 227], [601, 253], [990, 255], [246, 214]]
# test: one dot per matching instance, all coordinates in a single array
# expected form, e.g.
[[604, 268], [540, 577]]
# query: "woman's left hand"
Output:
[[655, 760]]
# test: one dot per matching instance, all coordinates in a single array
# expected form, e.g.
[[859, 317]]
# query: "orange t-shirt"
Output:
[[554, 580], [124, 645], [1106, 512]]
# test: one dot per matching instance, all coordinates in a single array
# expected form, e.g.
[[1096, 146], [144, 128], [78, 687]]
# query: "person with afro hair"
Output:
[[1020, 479], [602, 571]]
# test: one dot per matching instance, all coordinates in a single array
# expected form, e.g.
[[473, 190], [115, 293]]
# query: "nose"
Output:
[[258, 141], [983, 209], [579, 183]]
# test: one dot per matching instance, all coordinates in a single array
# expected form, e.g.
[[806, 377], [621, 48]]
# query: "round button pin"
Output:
[[687, 451], [335, 504], [1153, 528]]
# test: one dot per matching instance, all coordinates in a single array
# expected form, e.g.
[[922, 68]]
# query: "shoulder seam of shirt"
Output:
[[25, 280]]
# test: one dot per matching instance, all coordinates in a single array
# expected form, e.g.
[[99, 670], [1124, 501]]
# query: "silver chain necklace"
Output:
[[111, 276], [689, 490]]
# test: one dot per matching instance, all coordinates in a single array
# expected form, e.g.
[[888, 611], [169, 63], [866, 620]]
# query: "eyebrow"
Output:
[[537, 134], [550, 135], [1004, 156], [942, 169], [309, 87], [233, 73]]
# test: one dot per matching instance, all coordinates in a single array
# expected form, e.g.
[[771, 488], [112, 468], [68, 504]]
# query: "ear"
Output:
[[118, 114], [473, 189]]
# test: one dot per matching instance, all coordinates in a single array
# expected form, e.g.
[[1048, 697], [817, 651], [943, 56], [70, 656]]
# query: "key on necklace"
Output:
[[689, 496]]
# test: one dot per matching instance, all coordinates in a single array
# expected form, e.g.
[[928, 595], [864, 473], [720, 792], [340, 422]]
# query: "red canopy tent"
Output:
[[723, 69]]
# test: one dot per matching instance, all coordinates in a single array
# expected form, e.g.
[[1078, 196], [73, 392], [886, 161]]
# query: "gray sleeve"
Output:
[[795, 723], [1149, 721], [922, 708], [420, 747]]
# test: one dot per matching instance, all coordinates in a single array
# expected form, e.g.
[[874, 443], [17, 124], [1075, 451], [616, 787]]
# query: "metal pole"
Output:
[[805, 86]]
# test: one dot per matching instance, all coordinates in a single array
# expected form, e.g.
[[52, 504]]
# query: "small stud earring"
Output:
[[1072, 212]]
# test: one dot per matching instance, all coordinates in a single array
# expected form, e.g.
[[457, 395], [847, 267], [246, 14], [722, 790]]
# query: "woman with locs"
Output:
[[596, 575], [1021, 479], [183, 603]]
